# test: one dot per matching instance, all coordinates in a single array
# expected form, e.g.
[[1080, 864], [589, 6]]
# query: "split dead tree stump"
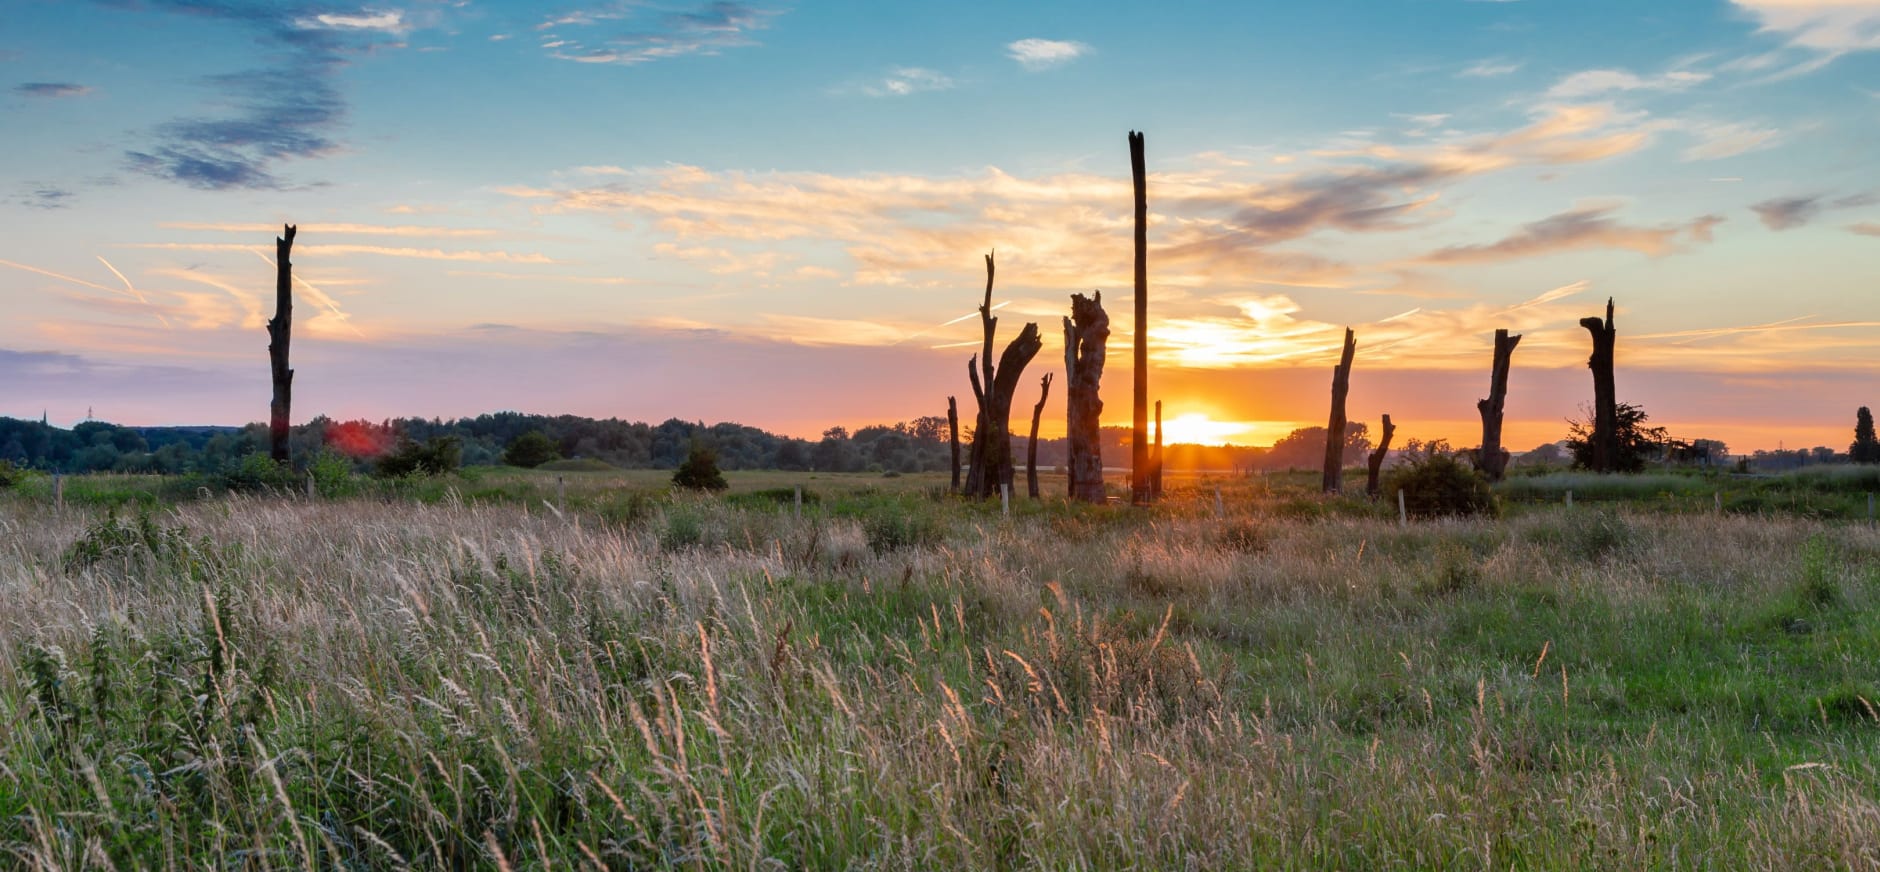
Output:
[[1031, 446], [993, 387], [1086, 333], [1492, 458], [280, 335], [1605, 396], [1335, 427], [1376, 462]]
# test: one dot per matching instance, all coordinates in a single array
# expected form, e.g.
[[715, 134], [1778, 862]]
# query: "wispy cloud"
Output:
[[1866, 228], [309, 228], [1490, 68], [703, 30], [1585, 228], [903, 81], [278, 113], [1833, 27], [39, 195], [313, 250], [1717, 141], [1788, 213], [1043, 54], [51, 90], [1592, 82]]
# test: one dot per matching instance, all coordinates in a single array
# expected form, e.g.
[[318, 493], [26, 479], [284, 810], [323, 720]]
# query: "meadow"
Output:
[[573, 669]]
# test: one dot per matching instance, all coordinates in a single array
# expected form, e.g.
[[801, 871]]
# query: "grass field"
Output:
[[506, 671]]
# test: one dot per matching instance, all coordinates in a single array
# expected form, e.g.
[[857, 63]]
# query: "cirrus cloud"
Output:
[[1043, 54]]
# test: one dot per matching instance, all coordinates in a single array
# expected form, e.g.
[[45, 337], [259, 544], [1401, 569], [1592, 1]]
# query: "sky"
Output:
[[777, 213]]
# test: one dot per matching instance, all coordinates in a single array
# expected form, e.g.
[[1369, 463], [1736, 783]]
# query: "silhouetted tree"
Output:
[[953, 439], [1139, 484], [1491, 458], [1031, 445], [1866, 449], [280, 332], [1605, 447], [992, 436], [1635, 442], [1335, 427], [1375, 464], [1086, 333]]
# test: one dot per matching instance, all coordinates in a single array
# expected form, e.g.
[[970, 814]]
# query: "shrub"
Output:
[[258, 473], [10, 475], [899, 527], [530, 450], [700, 470], [436, 456], [1438, 485], [332, 475]]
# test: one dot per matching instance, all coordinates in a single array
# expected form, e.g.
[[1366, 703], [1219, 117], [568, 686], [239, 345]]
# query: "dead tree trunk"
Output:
[[1491, 458], [1086, 333], [1139, 485], [1155, 464], [953, 439], [280, 333], [991, 456], [1031, 447], [1335, 428], [1605, 397], [1377, 458]]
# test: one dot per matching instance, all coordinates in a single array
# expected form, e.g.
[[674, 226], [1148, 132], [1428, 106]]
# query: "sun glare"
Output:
[[1196, 428]]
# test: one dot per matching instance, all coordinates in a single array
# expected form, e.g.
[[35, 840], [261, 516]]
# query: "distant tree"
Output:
[[1635, 442], [530, 450], [1544, 454], [1866, 449], [792, 455], [700, 470], [1304, 448]]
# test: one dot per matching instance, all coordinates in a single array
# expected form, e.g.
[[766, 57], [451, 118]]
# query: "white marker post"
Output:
[[1005, 500], [1403, 515], [799, 502], [1569, 498]]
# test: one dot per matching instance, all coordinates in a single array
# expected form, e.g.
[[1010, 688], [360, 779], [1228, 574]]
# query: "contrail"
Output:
[[973, 314], [321, 298], [59, 276], [133, 289]]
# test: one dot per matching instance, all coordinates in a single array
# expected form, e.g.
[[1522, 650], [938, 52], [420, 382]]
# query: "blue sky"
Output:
[[768, 212]]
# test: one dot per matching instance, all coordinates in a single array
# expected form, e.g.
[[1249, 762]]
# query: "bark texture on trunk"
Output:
[[991, 454], [1335, 428], [280, 335], [953, 439], [1491, 458], [1139, 465], [1086, 333], [1605, 397], [1031, 447], [1376, 464]]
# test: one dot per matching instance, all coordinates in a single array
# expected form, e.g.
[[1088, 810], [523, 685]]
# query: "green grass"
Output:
[[498, 669]]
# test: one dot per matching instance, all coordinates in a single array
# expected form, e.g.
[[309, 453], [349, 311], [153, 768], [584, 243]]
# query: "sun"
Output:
[[1196, 428]]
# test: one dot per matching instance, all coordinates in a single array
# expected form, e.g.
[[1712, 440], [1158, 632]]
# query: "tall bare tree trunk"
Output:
[[1335, 428], [991, 455], [1139, 484], [1376, 464], [1086, 333], [1605, 396], [1491, 458], [953, 439], [1031, 447], [1155, 464], [280, 334]]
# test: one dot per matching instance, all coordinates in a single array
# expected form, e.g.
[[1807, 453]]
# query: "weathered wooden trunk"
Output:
[[991, 455], [280, 335], [1031, 446], [1605, 396], [953, 439], [1335, 428], [1155, 463], [1376, 463], [1139, 485], [1086, 333], [1491, 458]]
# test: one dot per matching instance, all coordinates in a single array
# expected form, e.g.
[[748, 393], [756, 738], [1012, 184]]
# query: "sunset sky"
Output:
[[775, 213]]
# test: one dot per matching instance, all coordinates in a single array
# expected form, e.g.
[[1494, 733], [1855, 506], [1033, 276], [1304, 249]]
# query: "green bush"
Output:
[[440, 455], [332, 475], [900, 527], [1438, 485], [11, 475], [700, 470], [257, 473], [530, 450]]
